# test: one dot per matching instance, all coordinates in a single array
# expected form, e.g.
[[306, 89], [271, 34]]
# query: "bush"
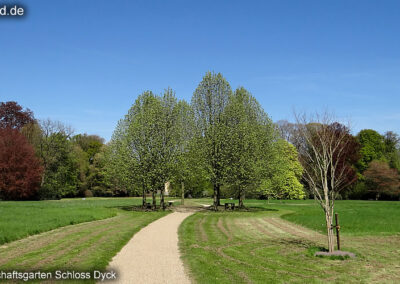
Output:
[[88, 193]]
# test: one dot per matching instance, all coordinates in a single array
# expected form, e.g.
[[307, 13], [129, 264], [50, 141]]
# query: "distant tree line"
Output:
[[222, 144], [44, 160]]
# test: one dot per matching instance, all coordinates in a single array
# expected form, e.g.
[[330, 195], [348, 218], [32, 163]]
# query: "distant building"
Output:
[[167, 188]]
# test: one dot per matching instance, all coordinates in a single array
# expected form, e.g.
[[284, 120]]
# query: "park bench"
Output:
[[229, 205], [170, 203], [148, 205]]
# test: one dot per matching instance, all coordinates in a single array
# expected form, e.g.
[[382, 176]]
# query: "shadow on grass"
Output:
[[139, 208], [311, 251], [259, 208], [245, 209]]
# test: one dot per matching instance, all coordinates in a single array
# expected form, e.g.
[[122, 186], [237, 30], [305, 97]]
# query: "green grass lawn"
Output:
[[356, 217], [266, 247], [86, 246], [83, 247], [19, 219], [273, 243]]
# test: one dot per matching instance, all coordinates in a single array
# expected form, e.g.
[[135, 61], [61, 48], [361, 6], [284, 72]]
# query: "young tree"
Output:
[[208, 102], [134, 139], [324, 147], [20, 169], [148, 135], [382, 179], [169, 137], [244, 124]]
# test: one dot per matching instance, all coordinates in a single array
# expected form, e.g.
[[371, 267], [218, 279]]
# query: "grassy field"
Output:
[[273, 243], [21, 219], [264, 247], [82, 247], [356, 217]]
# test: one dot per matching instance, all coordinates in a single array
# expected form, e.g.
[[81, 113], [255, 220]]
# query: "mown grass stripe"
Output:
[[265, 249]]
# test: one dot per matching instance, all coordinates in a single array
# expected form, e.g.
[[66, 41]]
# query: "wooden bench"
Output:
[[230, 206], [170, 203]]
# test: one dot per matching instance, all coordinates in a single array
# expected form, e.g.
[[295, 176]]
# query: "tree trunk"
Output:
[[215, 204], [182, 193], [241, 197], [144, 197], [162, 203], [154, 199], [42, 181], [218, 195], [330, 233]]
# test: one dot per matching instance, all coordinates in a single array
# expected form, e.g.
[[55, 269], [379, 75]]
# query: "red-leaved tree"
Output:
[[20, 169], [13, 116]]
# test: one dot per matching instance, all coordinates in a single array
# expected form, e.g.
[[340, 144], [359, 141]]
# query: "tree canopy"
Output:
[[13, 116], [245, 127], [372, 147], [209, 102], [284, 172], [382, 179]]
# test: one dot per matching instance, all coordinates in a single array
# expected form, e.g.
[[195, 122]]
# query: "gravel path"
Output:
[[152, 255]]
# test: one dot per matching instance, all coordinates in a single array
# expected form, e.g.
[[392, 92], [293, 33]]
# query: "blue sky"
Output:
[[85, 62]]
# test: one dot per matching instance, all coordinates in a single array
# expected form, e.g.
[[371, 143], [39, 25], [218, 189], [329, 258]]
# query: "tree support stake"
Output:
[[337, 230]]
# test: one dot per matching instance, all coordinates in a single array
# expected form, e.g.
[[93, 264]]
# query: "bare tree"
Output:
[[286, 130], [50, 127], [326, 149]]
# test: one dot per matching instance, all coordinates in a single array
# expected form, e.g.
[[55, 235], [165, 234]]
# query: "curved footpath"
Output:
[[152, 255]]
